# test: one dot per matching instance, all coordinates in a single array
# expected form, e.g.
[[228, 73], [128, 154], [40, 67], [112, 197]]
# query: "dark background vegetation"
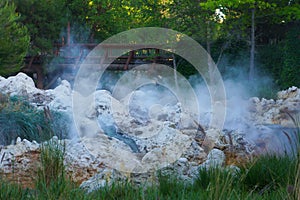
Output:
[[32, 27]]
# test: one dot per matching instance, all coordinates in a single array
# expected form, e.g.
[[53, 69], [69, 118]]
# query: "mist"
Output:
[[156, 100]]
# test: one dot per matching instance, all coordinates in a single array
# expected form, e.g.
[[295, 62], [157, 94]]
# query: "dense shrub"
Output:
[[282, 59], [20, 119], [291, 67]]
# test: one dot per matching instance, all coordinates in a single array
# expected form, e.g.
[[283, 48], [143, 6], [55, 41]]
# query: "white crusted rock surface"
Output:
[[276, 112]]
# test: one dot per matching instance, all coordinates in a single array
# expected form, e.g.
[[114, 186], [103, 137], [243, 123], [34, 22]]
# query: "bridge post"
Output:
[[131, 55]]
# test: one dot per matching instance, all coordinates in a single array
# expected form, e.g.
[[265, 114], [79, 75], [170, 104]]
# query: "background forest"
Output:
[[259, 37]]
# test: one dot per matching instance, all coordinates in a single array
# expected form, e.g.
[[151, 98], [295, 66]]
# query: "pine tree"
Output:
[[14, 40]]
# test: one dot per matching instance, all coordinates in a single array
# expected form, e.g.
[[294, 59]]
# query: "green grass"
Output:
[[20, 119], [216, 183], [268, 172]]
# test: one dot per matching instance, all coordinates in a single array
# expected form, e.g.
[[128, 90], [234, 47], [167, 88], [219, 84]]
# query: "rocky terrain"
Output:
[[109, 143]]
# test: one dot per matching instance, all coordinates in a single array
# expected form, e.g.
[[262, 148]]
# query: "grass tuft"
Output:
[[52, 181], [20, 119]]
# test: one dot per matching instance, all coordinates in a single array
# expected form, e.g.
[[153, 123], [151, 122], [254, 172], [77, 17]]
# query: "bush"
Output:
[[282, 60], [20, 119]]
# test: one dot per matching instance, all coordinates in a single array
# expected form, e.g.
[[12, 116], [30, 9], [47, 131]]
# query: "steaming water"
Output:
[[110, 129]]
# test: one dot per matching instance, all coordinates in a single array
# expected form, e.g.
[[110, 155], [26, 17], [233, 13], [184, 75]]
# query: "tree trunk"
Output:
[[209, 59], [38, 69], [175, 72], [40, 77], [252, 51]]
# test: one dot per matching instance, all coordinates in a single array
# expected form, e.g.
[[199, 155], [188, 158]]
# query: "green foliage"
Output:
[[291, 70], [11, 191], [117, 190], [271, 58], [52, 163], [14, 39], [108, 17], [185, 68], [20, 119], [44, 20], [219, 183], [268, 173], [169, 186], [281, 59]]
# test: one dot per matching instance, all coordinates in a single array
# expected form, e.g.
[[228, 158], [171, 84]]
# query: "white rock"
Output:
[[255, 100], [215, 158], [99, 180], [21, 85], [26, 143], [18, 140], [183, 160]]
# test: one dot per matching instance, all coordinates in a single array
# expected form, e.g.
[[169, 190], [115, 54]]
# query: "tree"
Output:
[[252, 17], [290, 73], [108, 17], [44, 20], [14, 40], [200, 23]]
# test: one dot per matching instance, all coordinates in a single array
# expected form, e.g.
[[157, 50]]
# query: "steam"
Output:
[[268, 137], [154, 99]]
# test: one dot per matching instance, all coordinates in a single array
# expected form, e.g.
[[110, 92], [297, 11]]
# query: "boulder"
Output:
[[19, 85], [22, 85]]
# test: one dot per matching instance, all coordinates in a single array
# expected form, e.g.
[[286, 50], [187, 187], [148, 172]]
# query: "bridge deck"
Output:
[[68, 59]]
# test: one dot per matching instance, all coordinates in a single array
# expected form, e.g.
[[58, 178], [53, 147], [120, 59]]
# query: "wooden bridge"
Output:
[[68, 58], [123, 62]]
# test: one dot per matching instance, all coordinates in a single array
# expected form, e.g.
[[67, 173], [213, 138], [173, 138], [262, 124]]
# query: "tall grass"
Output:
[[216, 184], [268, 173], [20, 119], [296, 183], [276, 173], [52, 181], [11, 191]]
